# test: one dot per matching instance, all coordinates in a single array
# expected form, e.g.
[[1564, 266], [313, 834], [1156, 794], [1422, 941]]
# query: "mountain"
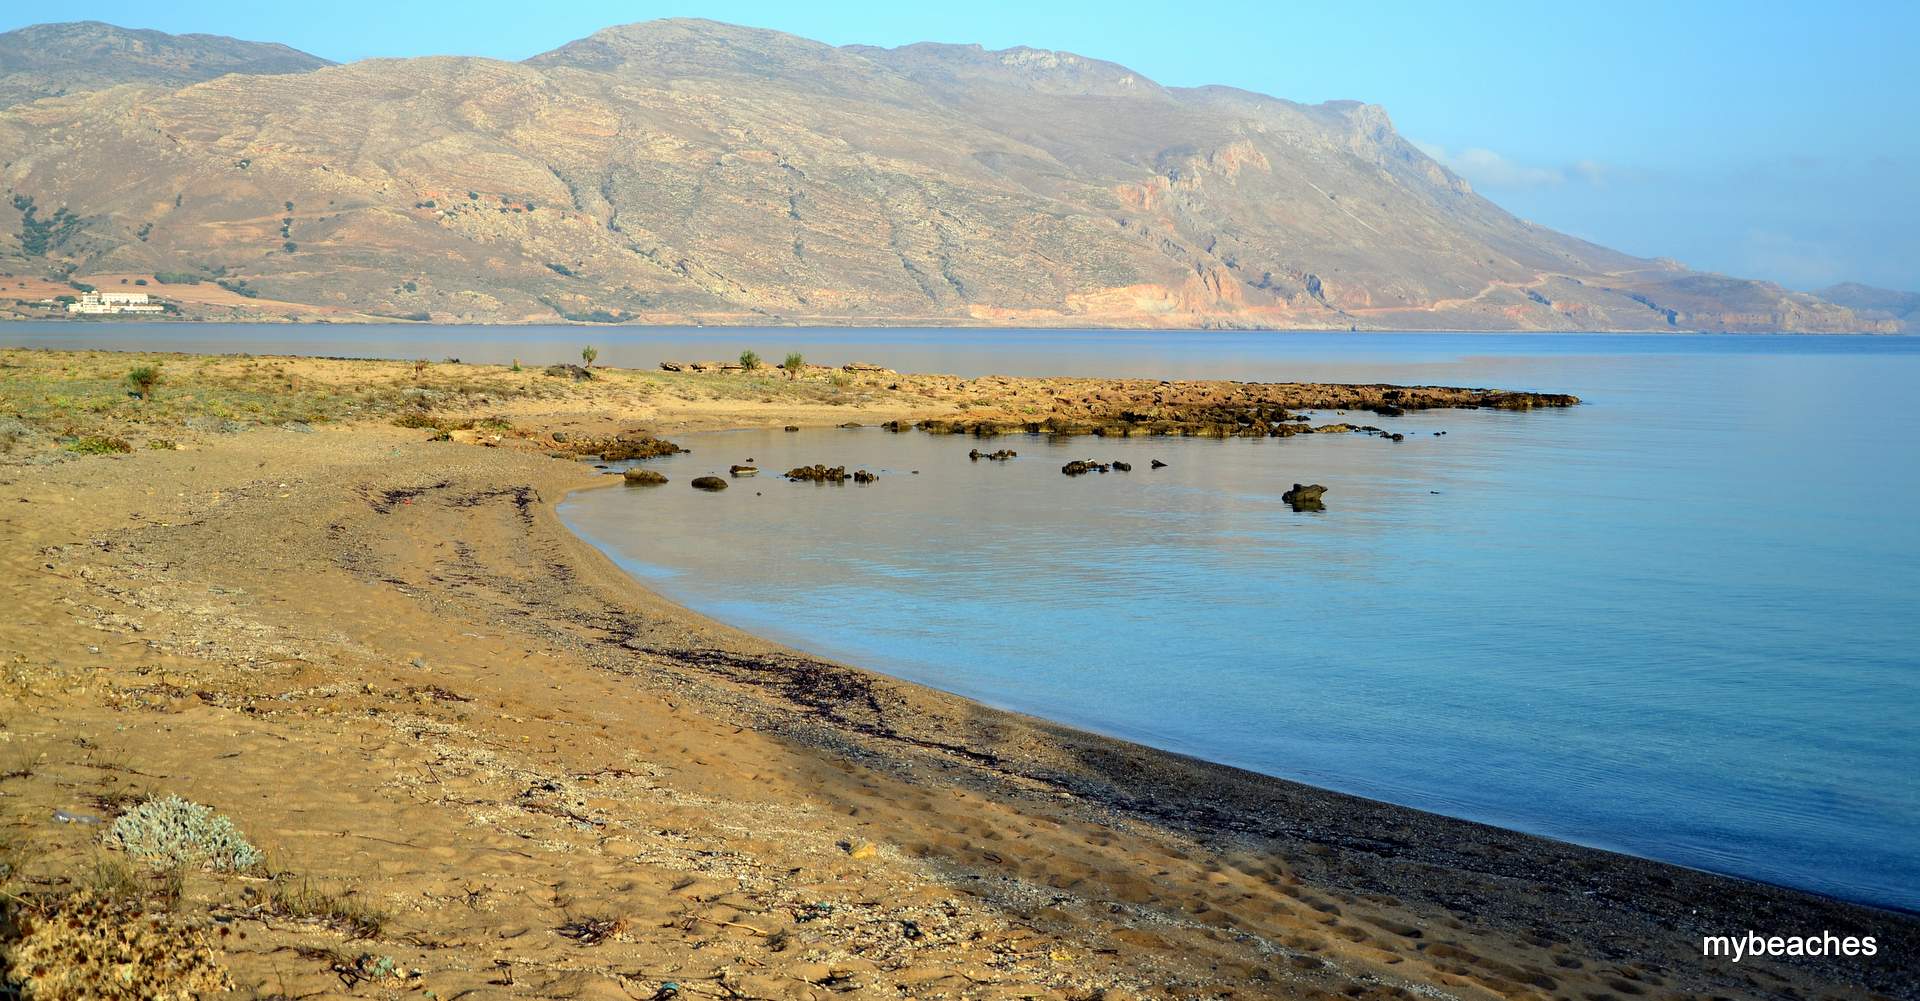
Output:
[[688, 171], [1872, 303], [48, 60]]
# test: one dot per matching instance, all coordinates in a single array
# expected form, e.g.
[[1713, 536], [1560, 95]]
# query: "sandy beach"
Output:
[[331, 599]]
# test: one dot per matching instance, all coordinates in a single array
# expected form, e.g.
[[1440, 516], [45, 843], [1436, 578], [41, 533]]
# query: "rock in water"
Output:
[[1157, 464], [742, 470], [643, 478], [1122, 467], [862, 476], [1305, 497], [818, 474], [709, 483]]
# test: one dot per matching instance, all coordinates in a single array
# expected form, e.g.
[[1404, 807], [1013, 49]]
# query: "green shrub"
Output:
[[588, 354], [142, 380], [174, 831], [749, 360], [94, 444], [794, 364], [162, 444], [176, 278]]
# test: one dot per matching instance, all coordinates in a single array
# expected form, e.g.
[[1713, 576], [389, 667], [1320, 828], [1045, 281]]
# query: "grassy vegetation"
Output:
[[86, 395], [303, 900]]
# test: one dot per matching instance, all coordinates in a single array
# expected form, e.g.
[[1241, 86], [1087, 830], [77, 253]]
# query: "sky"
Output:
[[1757, 138]]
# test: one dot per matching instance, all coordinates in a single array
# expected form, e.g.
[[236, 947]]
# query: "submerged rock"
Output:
[[1080, 466], [791, 427], [1000, 456], [643, 478], [709, 483], [1157, 464], [862, 476], [1122, 467], [743, 470]]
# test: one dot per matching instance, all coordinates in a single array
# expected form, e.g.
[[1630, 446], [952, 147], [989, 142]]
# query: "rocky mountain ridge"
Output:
[[48, 60], [689, 171]]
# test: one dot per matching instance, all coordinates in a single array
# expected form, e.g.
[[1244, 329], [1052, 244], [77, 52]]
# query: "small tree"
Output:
[[142, 380], [749, 359], [588, 354], [794, 364]]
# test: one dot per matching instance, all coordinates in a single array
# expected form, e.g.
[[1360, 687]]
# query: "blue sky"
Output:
[[1765, 139]]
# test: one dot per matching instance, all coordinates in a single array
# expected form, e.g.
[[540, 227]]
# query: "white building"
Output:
[[114, 302]]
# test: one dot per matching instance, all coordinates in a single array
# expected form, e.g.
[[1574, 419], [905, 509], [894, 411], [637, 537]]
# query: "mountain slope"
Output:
[[687, 170], [1872, 303], [48, 60]]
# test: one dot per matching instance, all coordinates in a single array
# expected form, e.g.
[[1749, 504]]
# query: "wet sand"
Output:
[[387, 660]]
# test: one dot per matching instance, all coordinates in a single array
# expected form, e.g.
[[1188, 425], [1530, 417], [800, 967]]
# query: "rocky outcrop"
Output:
[[1305, 497], [817, 474], [626, 447]]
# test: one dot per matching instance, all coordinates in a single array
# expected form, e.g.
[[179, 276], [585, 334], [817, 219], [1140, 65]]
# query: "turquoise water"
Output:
[[1678, 621]]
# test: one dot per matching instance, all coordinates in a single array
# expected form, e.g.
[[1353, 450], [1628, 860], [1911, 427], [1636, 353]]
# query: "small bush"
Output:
[[749, 360], [174, 831], [94, 444], [794, 364], [84, 946], [162, 444], [588, 354], [176, 278], [142, 380]]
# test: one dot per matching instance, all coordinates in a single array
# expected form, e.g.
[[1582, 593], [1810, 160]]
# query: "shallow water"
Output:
[[1677, 621]]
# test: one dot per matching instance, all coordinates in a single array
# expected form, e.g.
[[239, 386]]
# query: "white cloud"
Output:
[[1490, 170]]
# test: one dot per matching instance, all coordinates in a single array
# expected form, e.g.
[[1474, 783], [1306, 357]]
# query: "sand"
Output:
[[511, 771]]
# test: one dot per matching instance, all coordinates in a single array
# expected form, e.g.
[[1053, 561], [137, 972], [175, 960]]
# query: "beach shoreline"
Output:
[[393, 664]]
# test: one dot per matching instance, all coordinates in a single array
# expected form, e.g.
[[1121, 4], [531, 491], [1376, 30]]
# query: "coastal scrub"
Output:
[[172, 831]]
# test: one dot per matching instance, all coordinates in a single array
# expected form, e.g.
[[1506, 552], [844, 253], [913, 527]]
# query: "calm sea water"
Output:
[[1682, 620]]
